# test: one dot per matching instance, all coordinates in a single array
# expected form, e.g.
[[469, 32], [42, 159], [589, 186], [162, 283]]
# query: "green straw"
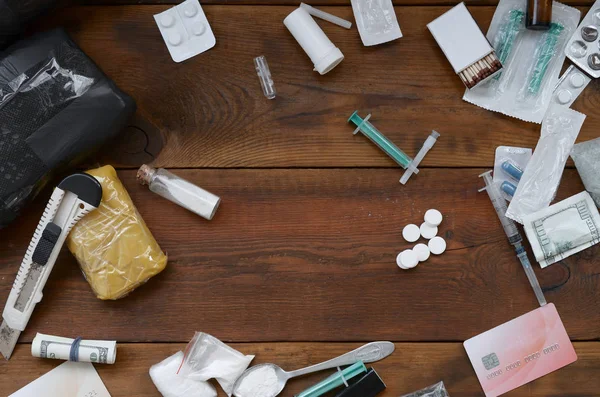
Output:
[[545, 55]]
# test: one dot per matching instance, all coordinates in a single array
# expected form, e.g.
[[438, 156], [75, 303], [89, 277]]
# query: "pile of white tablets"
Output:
[[408, 259]]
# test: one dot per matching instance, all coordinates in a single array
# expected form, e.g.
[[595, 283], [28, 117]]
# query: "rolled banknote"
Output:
[[563, 229], [91, 351]]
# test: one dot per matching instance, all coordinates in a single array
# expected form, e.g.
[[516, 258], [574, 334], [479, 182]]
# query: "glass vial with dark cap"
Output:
[[539, 14]]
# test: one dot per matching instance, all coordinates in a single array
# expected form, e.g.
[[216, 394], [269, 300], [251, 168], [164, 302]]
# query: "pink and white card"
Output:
[[521, 350]]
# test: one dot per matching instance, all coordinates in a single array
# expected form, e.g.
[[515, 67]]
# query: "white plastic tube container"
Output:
[[322, 52]]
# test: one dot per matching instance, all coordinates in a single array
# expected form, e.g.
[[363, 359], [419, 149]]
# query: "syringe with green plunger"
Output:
[[405, 161]]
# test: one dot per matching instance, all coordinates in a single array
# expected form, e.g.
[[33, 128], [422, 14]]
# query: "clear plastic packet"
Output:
[[586, 156], [169, 384], [115, 249], [206, 358], [437, 390], [376, 21], [509, 161], [541, 178], [532, 61]]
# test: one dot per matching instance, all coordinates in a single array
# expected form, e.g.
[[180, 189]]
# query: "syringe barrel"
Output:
[[380, 140], [509, 226]]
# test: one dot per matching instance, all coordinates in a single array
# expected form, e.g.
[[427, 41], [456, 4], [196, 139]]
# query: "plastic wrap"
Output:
[[586, 156], [114, 248], [515, 156], [206, 358], [437, 390], [376, 21], [532, 61], [47, 83], [169, 384], [540, 180]]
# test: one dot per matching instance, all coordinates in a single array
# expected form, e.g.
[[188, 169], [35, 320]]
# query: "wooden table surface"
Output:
[[298, 265]]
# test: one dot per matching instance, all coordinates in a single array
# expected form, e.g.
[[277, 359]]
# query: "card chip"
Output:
[[490, 361]]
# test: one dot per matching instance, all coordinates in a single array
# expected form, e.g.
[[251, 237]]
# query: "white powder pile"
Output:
[[261, 382]]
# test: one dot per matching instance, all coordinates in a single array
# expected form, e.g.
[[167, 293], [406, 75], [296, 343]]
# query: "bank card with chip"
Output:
[[521, 350]]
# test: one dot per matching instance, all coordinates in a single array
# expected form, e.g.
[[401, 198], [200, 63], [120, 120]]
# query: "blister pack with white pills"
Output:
[[584, 47], [185, 30], [571, 84]]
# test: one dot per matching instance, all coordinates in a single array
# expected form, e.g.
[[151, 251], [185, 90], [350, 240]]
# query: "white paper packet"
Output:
[[169, 384], [376, 21], [532, 61], [541, 178]]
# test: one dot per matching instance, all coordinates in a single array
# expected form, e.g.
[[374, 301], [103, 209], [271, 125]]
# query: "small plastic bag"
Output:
[[437, 390], [532, 61], [169, 384], [206, 358], [114, 247], [586, 156], [376, 21], [541, 178], [516, 157]]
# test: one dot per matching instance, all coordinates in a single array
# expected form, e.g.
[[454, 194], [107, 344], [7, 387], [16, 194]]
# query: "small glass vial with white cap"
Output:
[[179, 191]]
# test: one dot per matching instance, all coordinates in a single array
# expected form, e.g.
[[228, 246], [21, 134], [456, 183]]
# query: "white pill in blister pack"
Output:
[[570, 85], [584, 46], [185, 30]]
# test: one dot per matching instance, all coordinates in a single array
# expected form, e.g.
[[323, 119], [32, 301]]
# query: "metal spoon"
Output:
[[368, 353]]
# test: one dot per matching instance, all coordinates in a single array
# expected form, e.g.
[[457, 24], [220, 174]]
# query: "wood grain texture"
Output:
[[309, 255], [411, 367], [212, 112], [470, 3]]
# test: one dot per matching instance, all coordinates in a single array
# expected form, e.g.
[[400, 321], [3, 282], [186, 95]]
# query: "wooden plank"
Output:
[[309, 255], [470, 3], [211, 111], [412, 367]]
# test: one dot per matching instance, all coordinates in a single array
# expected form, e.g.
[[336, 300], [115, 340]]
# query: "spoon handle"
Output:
[[368, 353]]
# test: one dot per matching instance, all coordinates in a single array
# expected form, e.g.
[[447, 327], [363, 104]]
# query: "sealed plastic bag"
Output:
[[437, 390], [586, 156], [169, 384], [206, 358], [541, 178], [376, 21], [114, 248], [532, 61], [56, 107]]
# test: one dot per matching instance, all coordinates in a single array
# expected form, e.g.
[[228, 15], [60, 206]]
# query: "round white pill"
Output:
[[198, 29], [167, 20], [399, 262], [437, 245], [411, 233], [422, 252], [564, 97], [175, 39], [428, 231], [577, 80], [408, 259], [433, 217], [190, 11]]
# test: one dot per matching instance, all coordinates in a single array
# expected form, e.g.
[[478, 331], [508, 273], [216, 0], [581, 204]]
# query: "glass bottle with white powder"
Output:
[[179, 191]]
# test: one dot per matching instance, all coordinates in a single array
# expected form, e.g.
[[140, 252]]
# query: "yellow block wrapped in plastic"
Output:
[[112, 244]]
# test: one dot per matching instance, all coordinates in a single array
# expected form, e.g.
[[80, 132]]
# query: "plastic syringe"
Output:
[[514, 237], [364, 126]]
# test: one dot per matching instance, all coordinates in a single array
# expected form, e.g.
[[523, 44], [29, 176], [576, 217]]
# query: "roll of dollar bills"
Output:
[[57, 347]]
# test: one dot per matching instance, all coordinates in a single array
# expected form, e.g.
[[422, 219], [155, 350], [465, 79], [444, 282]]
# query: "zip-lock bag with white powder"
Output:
[[206, 358], [532, 61]]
